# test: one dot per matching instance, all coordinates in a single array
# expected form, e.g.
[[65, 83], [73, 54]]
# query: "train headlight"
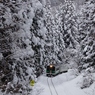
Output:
[[51, 66]]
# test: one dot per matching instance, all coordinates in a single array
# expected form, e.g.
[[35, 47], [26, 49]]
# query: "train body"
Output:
[[53, 70]]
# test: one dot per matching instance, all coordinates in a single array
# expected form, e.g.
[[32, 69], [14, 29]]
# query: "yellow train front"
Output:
[[52, 70]]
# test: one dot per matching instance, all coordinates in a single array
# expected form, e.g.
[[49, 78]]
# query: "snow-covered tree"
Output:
[[55, 44], [87, 33], [69, 24], [69, 31], [22, 33]]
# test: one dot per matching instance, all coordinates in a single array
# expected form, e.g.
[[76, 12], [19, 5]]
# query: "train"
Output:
[[53, 69]]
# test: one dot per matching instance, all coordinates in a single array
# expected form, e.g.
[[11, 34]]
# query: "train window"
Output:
[[53, 70], [57, 68], [48, 69]]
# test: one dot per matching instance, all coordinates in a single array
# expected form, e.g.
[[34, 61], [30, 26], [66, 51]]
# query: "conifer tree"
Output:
[[69, 24], [69, 30], [87, 33], [22, 33]]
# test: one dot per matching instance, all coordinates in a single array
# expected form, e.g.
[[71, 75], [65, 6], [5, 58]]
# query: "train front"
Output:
[[50, 70]]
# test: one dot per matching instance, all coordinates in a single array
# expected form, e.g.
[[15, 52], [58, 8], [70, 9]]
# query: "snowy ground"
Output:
[[65, 84]]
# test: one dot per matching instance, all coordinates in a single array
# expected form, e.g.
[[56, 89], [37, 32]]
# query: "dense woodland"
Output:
[[33, 34]]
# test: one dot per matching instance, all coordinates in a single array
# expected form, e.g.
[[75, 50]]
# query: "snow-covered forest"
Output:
[[34, 34]]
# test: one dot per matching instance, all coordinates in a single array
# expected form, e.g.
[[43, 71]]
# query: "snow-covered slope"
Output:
[[65, 84]]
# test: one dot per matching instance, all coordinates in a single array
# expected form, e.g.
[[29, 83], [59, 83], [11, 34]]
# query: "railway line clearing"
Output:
[[65, 84]]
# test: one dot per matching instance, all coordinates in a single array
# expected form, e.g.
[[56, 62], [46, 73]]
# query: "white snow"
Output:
[[91, 90], [15, 80], [65, 84], [1, 56], [37, 5]]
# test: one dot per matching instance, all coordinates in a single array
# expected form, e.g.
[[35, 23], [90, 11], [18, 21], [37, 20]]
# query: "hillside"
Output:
[[37, 34]]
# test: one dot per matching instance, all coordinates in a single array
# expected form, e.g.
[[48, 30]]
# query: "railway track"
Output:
[[51, 86]]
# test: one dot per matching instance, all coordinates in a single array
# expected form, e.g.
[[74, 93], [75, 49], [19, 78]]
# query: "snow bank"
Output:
[[65, 84], [1, 93]]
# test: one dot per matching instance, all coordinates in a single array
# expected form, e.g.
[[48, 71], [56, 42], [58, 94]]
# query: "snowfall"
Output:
[[63, 84]]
